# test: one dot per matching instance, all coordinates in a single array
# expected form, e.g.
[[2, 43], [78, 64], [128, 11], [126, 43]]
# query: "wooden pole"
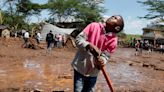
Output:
[[108, 80]]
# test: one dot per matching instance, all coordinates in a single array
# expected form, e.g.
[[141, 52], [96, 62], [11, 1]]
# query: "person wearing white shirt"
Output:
[[38, 37], [26, 39]]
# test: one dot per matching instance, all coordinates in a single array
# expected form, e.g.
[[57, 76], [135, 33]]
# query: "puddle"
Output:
[[3, 72], [126, 73], [34, 84], [123, 75], [34, 66]]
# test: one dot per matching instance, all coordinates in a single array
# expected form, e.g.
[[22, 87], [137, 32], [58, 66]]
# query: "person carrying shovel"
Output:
[[95, 45]]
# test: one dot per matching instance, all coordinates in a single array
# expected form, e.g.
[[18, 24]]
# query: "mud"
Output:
[[29, 70]]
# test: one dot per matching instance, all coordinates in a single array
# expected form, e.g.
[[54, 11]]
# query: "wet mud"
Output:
[[29, 70]]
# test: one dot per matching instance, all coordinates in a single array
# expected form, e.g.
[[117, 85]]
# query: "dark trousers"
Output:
[[83, 83]]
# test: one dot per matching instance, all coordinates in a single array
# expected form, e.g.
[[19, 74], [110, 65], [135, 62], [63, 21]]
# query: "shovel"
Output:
[[108, 80]]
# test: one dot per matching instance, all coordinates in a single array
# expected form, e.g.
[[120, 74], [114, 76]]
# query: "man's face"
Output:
[[112, 24]]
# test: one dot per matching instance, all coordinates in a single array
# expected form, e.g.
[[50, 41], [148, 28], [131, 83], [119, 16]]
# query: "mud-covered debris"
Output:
[[68, 76], [130, 63], [37, 90], [159, 68], [145, 65]]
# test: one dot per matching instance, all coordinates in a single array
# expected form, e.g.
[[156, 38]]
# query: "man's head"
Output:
[[114, 24]]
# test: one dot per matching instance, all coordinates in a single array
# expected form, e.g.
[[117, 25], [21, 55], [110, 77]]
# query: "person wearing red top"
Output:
[[95, 45]]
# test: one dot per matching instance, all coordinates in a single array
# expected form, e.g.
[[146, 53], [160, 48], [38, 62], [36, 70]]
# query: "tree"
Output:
[[8, 20], [1, 18], [62, 10], [77, 10], [10, 10], [155, 8], [27, 8], [19, 11], [122, 35]]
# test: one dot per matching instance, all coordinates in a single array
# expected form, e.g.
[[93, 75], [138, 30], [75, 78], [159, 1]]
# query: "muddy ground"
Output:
[[28, 70]]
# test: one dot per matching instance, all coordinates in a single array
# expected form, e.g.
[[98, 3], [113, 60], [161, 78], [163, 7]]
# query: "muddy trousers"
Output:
[[49, 46], [83, 83]]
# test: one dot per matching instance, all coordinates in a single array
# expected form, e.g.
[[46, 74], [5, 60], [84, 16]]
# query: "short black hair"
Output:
[[121, 23]]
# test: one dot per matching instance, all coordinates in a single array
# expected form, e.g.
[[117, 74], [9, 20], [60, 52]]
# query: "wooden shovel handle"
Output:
[[107, 79]]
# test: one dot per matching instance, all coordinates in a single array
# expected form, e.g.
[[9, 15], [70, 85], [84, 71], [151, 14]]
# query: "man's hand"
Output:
[[100, 62], [93, 49], [96, 53]]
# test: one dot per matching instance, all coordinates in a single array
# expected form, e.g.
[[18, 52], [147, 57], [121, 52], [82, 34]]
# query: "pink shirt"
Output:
[[97, 36]]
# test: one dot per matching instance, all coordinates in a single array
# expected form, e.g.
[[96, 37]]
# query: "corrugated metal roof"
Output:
[[55, 30], [3, 27], [152, 35], [149, 35], [155, 27]]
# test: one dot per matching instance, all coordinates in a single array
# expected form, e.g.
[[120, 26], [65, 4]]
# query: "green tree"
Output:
[[122, 35], [61, 10], [1, 18], [8, 20], [27, 8], [79, 10], [90, 11], [10, 10], [19, 11], [155, 8]]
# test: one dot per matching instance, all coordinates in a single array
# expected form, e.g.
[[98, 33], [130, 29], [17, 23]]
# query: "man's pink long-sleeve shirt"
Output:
[[96, 35]]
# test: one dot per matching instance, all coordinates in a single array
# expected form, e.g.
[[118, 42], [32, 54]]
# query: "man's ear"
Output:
[[117, 28]]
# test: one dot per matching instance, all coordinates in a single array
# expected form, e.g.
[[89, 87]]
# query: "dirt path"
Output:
[[24, 70]]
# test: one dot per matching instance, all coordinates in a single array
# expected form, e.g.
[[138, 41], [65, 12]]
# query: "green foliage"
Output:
[[19, 11], [122, 35], [130, 37], [1, 18], [18, 20], [155, 8], [90, 10], [62, 9], [26, 7], [81, 10]]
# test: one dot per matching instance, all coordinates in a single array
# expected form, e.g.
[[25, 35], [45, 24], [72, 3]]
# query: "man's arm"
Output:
[[81, 40]]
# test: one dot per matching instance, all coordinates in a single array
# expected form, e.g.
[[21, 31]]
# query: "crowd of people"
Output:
[[140, 45], [52, 40], [57, 40], [28, 41]]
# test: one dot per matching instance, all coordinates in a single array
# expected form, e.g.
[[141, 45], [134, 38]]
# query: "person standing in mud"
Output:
[[137, 47], [49, 40], [38, 37], [95, 45], [141, 46], [26, 39]]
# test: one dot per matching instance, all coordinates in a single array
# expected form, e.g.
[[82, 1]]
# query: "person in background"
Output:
[[38, 37], [49, 40], [95, 45], [137, 47], [26, 39], [60, 40], [64, 37]]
